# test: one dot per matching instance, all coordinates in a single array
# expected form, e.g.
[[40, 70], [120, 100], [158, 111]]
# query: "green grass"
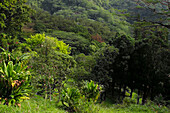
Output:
[[108, 107], [34, 105], [39, 105], [129, 109]]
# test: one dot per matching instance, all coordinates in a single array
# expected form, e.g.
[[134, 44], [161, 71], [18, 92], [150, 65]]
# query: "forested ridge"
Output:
[[79, 54]]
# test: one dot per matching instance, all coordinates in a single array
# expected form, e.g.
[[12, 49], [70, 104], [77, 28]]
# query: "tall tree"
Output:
[[149, 64], [13, 15]]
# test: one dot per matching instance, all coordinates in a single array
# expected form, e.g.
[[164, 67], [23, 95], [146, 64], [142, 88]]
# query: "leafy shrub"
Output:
[[86, 106], [133, 100], [159, 100], [91, 90], [128, 101], [150, 106], [70, 98], [83, 100], [14, 80], [157, 107]]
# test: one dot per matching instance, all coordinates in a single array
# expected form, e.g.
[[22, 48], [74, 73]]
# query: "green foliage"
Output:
[[131, 100], [91, 90], [13, 15], [108, 107], [8, 42], [60, 46], [38, 104], [98, 11], [34, 105], [102, 50], [159, 9], [85, 64], [43, 21], [52, 65], [71, 97], [35, 40], [105, 58], [154, 45], [39, 39], [78, 43], [14, 80], [145, 108], [39, 27], [157, 107], [127, 101], [81, 101]]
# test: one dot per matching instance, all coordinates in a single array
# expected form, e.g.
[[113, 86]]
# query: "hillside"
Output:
[[84, 56], [116, 14]]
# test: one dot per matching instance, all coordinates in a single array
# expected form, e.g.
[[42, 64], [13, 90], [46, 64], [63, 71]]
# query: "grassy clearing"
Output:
[[34, 105], [108, 107], [40, 105], [129, 109]]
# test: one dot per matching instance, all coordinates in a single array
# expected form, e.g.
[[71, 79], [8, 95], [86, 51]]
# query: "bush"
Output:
[[52, 65], [14, 80], [133, 100], [157, 108], [81, 101], [70, 98], [91, 90]]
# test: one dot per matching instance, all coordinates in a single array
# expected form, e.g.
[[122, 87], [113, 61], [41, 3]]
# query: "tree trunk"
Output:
[[113, 85], [138, 97], [119, 92], [144, 96], [152, 94], [124, 93], [131, 92]]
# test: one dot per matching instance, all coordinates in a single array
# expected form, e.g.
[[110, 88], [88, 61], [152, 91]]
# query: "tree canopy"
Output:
[[14, 14]]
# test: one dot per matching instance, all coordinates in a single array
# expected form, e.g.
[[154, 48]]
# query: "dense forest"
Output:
[[76, 55]]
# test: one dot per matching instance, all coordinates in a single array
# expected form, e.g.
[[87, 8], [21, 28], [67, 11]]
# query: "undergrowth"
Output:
[[38, 104], [34, 105]]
